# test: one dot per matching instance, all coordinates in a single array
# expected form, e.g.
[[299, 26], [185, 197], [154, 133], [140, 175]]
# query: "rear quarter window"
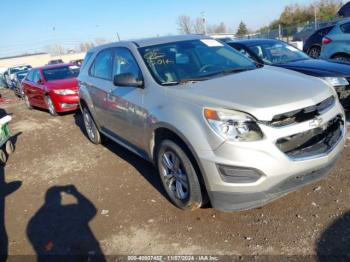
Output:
[[345, 28], [86, 60]]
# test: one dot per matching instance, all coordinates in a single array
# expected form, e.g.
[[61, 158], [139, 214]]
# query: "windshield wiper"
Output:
[[229, 71], [184, 81]]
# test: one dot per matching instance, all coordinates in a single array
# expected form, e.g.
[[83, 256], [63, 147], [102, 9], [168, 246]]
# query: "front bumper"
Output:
[[281, 174], [231, 201], [65, 103]]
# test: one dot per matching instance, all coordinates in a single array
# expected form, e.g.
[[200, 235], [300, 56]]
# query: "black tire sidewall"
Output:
[[342, 58], [195, 199], [315, 48]]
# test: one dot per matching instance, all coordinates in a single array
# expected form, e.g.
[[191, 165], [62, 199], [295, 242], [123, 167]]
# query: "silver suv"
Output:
[[217, 127]]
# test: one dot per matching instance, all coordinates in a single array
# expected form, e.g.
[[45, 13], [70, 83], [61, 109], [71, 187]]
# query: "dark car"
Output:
[[313, 44], [17, 82], [55, 62], [280, 54], [345, 10], [77, 62]]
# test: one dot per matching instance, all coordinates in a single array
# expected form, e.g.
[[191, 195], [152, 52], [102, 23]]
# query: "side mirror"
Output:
[[39, 82], [127, 79]]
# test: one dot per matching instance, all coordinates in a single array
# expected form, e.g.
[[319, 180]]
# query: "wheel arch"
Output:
[[340, 54], [312, 46], [166, 131]]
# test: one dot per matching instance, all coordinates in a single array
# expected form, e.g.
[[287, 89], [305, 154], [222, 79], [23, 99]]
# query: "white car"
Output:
[[9, 75]]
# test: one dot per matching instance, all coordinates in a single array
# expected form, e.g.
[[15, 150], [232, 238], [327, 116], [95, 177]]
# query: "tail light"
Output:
[[326, 41]]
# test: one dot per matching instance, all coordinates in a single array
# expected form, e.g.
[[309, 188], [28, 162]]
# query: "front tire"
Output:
[[51, 106], [178, 176], [91, 128], [342, 58], [27, 102]]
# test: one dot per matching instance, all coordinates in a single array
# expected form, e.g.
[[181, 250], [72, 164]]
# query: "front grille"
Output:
[[313, 142], [302, 115]]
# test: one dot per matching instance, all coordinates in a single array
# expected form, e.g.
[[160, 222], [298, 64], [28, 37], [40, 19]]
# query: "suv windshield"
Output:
[[193, 60], [61, 73], [21, 74], [277, 53]]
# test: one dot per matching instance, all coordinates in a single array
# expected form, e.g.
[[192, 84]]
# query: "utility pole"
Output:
[[316, 22], [280, 32], [56, 41], [204, 21]]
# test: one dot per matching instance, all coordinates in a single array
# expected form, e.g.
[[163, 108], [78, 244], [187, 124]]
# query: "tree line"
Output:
[[293, 14], [296, 14], [187, 25]]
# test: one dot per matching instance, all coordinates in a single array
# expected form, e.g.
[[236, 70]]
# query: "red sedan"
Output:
[[53, 87]]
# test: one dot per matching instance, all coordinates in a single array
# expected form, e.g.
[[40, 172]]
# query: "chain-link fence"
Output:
[[297, 32]]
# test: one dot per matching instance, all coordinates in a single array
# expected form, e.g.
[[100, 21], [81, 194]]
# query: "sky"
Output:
[[27, 25]]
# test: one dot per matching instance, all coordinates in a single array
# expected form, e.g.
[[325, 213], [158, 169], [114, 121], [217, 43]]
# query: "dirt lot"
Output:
[[112, 201]]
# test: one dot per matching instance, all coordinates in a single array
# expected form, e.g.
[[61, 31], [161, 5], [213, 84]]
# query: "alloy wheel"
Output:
[[174, 175], [314, 52], [26, 101], [51, 106], [89, 125]]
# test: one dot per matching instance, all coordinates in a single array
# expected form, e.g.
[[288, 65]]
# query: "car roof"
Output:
[[54, 66], [18, 66], [344, 21], [251, 42], [152, 41]]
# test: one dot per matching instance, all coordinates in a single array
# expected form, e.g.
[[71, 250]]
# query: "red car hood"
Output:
[[69, 83]]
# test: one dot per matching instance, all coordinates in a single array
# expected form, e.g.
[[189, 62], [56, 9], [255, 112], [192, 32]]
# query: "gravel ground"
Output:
[[62, 194]]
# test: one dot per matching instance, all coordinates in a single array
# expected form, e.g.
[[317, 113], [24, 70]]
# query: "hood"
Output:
[[69, 83], [319, 68], [263, 92]]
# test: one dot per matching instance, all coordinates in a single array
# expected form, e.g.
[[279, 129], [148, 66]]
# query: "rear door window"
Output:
[[345, 28], [37, 76], [30, 76], [102, 67]]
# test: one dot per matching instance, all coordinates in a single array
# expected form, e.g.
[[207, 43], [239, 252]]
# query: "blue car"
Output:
[[336, 45]]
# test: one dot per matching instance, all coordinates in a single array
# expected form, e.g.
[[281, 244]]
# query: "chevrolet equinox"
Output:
[[217, 127]]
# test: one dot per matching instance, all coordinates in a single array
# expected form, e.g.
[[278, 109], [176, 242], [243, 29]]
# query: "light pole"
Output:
[[315, 13], [204, 21], [56, 41]]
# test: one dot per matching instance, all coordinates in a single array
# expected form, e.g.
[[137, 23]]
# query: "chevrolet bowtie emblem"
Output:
[[317, 122]]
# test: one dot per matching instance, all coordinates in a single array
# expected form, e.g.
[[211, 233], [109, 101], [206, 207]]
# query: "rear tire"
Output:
[[342, 58], [3, 157], [51, 106], [90, 127], [178, 176], [27, 102], [314, 52], [10, 148]]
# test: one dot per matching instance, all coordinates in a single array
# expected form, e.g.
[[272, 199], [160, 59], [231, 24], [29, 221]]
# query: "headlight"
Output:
[[64, 92], [233, 125], [336, 81]]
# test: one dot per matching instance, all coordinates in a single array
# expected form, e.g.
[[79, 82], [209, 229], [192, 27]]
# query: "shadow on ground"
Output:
[[334, 243], [60, 231], [5, 190]]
